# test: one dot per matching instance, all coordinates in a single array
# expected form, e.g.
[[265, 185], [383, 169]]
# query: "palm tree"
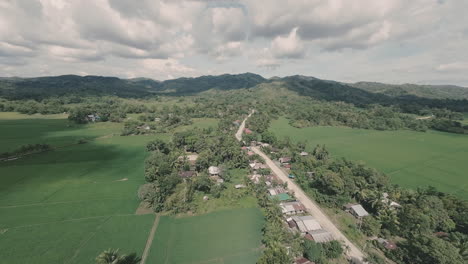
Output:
[[111, 256]]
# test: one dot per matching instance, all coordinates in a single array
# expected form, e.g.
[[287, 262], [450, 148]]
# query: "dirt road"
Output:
[[242, 126], [311, 206]]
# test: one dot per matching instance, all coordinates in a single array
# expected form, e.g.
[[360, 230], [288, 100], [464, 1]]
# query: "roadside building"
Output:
[[387, 244], [284, 160], [319, 236], [277, 190], [303, 154], [292, 208], [304, 224]]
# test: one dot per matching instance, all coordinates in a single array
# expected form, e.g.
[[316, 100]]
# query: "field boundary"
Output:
[[149, 242]]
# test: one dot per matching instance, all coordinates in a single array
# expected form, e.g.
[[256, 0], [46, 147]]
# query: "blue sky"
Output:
[[393, 41]]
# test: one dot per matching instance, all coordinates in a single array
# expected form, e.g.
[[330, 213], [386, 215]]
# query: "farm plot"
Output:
[[228, 236], [411, 159]]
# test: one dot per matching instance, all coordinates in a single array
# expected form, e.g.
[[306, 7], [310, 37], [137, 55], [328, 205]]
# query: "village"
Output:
[[297, 218]]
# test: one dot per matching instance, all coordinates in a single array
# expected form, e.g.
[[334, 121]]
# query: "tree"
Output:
[[276, 253], [332, 249], [158, 145], [422, 249], [112, 256], [313, 251]]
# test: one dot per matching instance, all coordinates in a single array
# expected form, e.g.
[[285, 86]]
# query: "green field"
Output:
[[229, 236], [70, 204], [411, 159]]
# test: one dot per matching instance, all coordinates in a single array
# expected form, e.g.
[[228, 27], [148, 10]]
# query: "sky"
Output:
[[392, 41]]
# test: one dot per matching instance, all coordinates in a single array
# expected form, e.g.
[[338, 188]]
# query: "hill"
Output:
[[427, 91]]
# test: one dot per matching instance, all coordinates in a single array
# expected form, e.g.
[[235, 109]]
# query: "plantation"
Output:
[[228, 236], [411, 159]]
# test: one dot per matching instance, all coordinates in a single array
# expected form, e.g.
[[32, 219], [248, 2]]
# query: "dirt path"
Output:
[[311, 206], [149, 242], [242, 126]]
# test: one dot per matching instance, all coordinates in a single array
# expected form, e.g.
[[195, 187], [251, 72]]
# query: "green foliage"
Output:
[[275, 254], [112, 256], [313, 251]]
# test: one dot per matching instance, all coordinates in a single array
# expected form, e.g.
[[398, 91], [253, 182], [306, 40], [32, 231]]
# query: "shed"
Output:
[[321, 236], [358, 211], [303, 153], [214, 171], [247, 131], [239, 186], [292, 208], [284, 160]]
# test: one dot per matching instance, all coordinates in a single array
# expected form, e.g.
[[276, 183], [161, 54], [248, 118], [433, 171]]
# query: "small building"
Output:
[[247, 131], [281, 197], [320, 236], [292, 208], [357, 210], [287, 166], [214, 171], [387, 244], [258, 166], [284, 160], [390, 203], [311, 174], [250, 153], [304, 224], [274, 150], [303, 261], [255, 178], [303, 153], [187, 174], [239, 186]]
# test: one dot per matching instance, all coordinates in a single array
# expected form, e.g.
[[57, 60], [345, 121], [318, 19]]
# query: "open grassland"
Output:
[[229, 236], [199, 123], [411, 159], [69, 204], [465, 121]]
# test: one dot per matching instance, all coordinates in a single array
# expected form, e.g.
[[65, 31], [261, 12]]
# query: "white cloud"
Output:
[[288, 46]]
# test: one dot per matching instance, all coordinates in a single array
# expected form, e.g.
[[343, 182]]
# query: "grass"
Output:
[[199, 123], [411, 159], [68, 205], [229, 236], [465, 121]]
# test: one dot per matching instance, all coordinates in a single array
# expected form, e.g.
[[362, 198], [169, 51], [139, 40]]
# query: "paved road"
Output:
[[311, 206]]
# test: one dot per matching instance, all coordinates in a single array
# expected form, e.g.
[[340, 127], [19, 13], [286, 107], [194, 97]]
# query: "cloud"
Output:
[[289, 46], [391, 40]]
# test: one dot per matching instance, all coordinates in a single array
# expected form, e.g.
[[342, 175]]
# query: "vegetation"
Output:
[[226, 236], [421, 215], [411, 159], [112, 256], [25, 150]]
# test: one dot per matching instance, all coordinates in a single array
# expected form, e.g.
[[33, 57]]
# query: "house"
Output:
[[390, 203], [255, 178], [303, 153], [311, 174], [304, 223], [93, 118], [258, 166], [214, 171], [284, 160], [157, 119], [277, 190], [357, 210], [239, 186], [247, 131], [250, 153], [320, 236], [303, 261], [281, 197], [191, 159], [236, 123], [287, 166], [274, 150], [187, 174], [292, 208]]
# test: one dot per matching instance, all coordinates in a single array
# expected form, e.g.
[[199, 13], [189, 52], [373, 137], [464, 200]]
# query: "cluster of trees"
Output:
[[112, 256], [25, 150], [433, 226]]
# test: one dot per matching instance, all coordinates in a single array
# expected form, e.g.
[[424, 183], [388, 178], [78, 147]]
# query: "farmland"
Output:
[[70, 204], [228, 236], [411, 159]]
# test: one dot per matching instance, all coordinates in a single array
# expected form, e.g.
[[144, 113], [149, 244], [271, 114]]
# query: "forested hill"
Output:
[[428, 91], [72, 85], [66, 85], [44, 87], [336, 91]]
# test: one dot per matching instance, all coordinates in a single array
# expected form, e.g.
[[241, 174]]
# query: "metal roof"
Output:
[[359, 210]]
